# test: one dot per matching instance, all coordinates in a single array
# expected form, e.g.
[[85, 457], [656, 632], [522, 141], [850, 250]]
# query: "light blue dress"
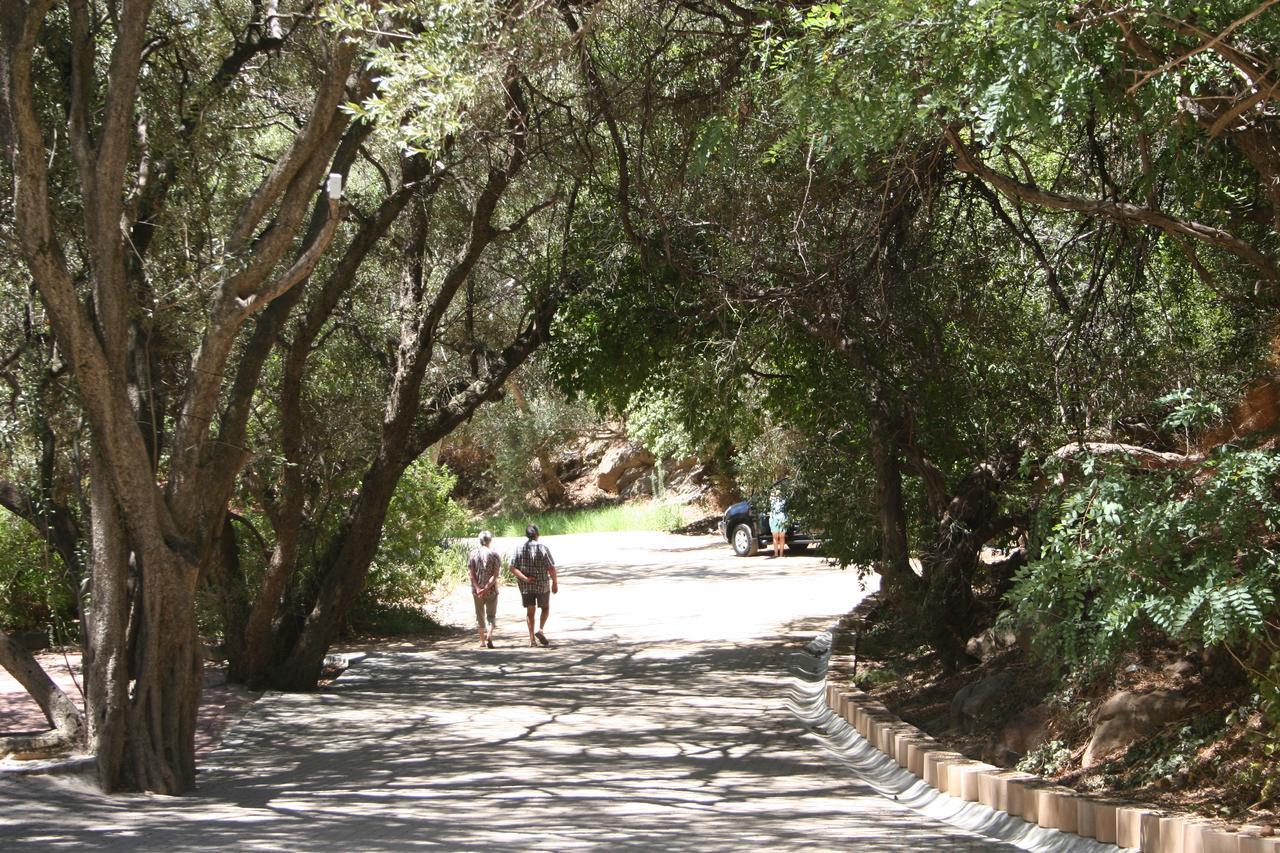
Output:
[[777, 514]]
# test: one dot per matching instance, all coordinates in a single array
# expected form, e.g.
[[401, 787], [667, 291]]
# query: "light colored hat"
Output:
[[485, 537]]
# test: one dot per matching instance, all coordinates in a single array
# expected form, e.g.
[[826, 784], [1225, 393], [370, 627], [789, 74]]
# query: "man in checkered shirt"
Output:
[[535, 572]]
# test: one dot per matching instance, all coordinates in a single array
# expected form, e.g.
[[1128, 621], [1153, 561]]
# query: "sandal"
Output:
[[542, 638]]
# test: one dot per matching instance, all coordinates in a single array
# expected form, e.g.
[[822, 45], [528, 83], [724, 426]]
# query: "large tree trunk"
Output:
[[951, 564], [151, 532], [160, 747], [343, 569], [106, 665], [900, 582]]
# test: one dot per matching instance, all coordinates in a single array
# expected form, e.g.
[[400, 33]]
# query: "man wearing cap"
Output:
[[535, 573], [484, 565]]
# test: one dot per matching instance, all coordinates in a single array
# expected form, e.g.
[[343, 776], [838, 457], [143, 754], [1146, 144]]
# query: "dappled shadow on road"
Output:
[[601, 743]]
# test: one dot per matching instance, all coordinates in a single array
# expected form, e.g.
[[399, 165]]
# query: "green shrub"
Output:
[[1171, 752], [35, 592], [414, 555], [1048, 759], [1190, 554]]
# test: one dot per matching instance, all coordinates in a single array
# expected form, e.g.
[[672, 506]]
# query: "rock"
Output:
[[974, 703], [1181, 668], [1128, 717], [1022, 734], [621, 466], [639, 486], [571, 463], [989, 642]]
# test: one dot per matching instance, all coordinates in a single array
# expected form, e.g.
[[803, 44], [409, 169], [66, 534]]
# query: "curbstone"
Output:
[[962, 778], [1026, 796], [1216, 838], [1024, 801], [995, 789], [1150, 838], [971, 781], [1173, 834], [916, 752], [1086, 817], [935, 767], [1251, 842], [1129, 825], [1057, 809], [903, 744], [1104, 820]]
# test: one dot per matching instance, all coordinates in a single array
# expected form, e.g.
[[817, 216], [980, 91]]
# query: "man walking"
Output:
[[535, 572], [484, 565]]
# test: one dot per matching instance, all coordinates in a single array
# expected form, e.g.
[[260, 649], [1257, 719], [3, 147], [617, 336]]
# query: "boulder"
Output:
[[976, 703], [1026, 731], [1128, 717], [636, 484], [987, 644], [621, 466]]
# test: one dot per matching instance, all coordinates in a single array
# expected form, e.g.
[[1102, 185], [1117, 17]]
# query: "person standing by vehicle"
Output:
[[485, 566], [778, 521], [535, 572]]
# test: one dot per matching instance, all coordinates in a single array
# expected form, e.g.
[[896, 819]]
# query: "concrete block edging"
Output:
[[1023, 795]]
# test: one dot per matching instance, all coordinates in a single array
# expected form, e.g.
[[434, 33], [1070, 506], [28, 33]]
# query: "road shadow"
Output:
[[601, 743]]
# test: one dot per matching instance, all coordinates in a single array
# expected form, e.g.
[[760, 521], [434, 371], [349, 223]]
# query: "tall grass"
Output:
[[646, 515]]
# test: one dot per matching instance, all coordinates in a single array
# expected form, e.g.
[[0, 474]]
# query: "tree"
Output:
[[827, 193], [90, 228]]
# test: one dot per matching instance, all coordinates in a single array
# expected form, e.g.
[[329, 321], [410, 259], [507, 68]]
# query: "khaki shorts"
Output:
[[486, 607], [541, 599]]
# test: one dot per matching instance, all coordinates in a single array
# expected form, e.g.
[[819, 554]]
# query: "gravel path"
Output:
[[658, 719]]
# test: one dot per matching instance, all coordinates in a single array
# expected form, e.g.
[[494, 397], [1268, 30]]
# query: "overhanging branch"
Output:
[[1117, 211]]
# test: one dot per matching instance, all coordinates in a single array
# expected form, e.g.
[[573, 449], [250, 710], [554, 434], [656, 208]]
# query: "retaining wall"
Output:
[[1023, 795]]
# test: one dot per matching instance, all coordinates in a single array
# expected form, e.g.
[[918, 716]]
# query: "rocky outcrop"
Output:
[[621, 466], [1128, 717]]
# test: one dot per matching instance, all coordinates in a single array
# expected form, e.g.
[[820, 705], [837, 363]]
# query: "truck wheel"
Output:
[[744, 541]]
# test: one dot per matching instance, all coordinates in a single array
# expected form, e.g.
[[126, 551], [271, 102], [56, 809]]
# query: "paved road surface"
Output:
[[657, 720]]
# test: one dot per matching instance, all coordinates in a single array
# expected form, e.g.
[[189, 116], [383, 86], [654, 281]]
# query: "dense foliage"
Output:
[[1191, 554]]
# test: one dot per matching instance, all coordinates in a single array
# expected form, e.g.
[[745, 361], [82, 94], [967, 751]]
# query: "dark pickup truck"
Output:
[[745, 526]]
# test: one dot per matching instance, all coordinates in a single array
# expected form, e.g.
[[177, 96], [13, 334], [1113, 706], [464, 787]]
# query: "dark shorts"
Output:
[[541, 599]]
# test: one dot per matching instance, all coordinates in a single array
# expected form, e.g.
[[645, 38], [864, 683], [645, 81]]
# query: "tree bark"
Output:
[[150, 536], [901, 582], [950, 564], [106, 665], [58, 708]]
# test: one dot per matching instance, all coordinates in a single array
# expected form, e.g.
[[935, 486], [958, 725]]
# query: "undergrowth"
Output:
[[646, 515]]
